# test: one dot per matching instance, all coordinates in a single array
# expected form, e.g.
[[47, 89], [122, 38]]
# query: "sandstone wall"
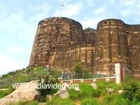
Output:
[[134, 47], [111, 46], [61, 42]]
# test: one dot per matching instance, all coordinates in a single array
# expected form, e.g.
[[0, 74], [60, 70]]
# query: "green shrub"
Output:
[[59, 101], [11, 73], [87, 74], [4, 93], [108, 99], [32, 103], [132, 89], [75, 95], [26, 103], [103, 85], [19, 103], [89, 101], [120, 101], [78, 70], [87, 90], [44, 91], [115, 99], [138, 103], [56, 73], [96, 93]]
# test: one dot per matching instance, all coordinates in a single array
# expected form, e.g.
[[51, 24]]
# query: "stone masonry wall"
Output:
[[62, 42]]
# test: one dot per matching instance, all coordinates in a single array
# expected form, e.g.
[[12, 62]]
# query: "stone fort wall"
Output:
[[62, 42]]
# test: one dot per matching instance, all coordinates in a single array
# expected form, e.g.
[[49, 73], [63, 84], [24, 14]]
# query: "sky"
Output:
[[19, 20]]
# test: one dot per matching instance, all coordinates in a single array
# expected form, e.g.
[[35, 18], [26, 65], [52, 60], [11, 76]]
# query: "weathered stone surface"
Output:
[[49, 97], [56, 43], [116, 42], [110, 90], [120, 91], [61, 42], [23, 92], [63, 93], [94, 85]]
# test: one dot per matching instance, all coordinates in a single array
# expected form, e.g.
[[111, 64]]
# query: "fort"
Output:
[[61, 42]]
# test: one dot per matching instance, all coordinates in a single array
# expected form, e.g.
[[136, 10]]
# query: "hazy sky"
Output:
[[19, 19]]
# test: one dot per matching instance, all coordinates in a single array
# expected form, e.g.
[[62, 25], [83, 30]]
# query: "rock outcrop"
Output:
[[23, 92]]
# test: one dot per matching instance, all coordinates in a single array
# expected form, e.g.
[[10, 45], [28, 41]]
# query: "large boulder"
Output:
[[120, 91], [94, 85], [23, 91], [63, 93], [110, 90]]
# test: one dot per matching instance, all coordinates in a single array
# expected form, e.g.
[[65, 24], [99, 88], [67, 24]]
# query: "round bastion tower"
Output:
[[55, 37], [110, 46]]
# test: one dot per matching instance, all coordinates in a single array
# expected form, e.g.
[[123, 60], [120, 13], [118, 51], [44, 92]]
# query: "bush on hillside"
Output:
[[56, 74], [75, 95], [78, 70], [59, 101], [132, 89], [89, 101], [47, 90], [4, 93], [103, 85], [114, 99], [88, 91], [26, 103]]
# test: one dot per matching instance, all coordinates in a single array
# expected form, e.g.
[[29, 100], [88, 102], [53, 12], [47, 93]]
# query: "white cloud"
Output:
[[41, 12], [62, 1], [17, 36], [90, 2], [13, 20], [91, 22], [125, 12], [43, 7], [138, 5], [16, 26], [17, 0], [128, 2], [8, 64], [112, 1], [69, 10], [16, 50], [99, 10]]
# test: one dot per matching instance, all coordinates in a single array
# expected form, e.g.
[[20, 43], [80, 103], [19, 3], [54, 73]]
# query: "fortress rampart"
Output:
[[61, 42]]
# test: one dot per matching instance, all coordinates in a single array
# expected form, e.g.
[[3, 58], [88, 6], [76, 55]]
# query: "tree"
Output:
[[45, 87], [78, 70]]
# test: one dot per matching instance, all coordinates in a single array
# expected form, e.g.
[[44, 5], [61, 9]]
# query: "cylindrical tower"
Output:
[[110, 46], [134, 47], [52, 42]]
